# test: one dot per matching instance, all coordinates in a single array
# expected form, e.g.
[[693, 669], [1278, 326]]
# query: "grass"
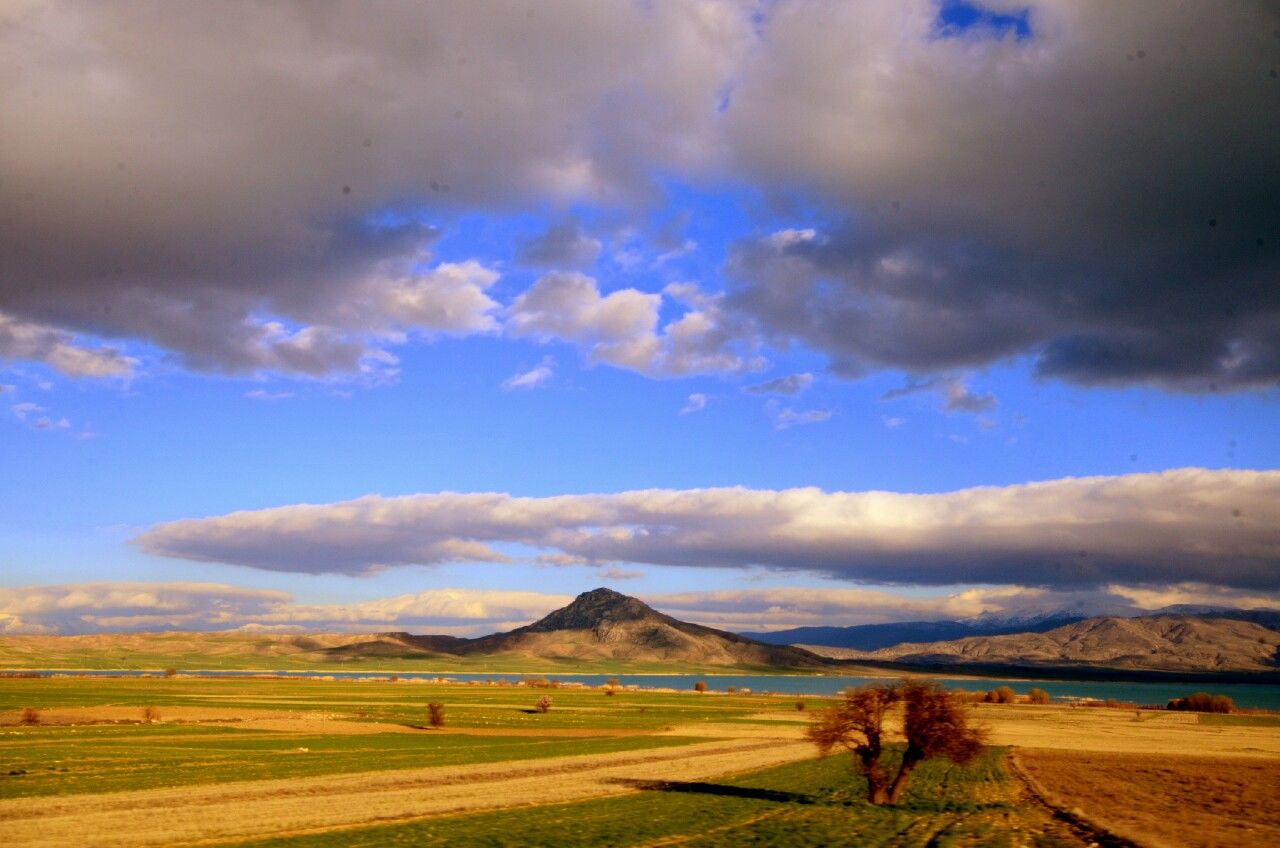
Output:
[[113, 758], [807, 803]]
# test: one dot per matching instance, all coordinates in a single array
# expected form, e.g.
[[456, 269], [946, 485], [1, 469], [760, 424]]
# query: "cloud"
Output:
[[785, 418], [157, 194], [138, 606], [533, 378], [1198, 525], [57, 349], [956, 395], [1104, 209], [1099, 195], [564, 245], [621, 328], [696, 403], [790, 385], [263, 394]]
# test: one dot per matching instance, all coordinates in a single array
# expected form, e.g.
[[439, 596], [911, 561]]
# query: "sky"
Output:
[[771, 314]]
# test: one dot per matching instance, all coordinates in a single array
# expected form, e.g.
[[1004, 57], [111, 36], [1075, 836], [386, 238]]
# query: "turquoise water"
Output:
[[1253, 695]]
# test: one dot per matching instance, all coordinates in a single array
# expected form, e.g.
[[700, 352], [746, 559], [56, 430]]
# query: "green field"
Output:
[[804, 804], [90, 740]]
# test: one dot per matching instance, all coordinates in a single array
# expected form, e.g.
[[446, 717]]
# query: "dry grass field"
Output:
[[1167, 800], [318, 763]]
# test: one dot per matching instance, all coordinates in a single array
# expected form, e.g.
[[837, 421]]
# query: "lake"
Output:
[[1253, 695]]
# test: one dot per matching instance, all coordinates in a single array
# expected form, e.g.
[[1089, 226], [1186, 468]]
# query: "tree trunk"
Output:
[[909, 759]]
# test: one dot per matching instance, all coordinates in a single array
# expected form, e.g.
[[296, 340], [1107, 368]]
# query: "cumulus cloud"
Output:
[[564, 245], [1216, 527], [156, 192], [621, 328], [1099, 194], [790, 385], [58, 349], [533, 378]]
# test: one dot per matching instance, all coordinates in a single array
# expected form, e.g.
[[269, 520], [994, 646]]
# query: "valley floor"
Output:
[[327, 763]]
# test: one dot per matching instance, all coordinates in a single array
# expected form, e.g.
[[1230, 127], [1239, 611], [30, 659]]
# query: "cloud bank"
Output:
[[135, 606], [1097, 194], [1217, 527]]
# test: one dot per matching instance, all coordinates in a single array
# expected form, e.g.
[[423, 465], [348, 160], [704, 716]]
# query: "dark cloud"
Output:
[[1102, 194], [203, 181], [564, 245]]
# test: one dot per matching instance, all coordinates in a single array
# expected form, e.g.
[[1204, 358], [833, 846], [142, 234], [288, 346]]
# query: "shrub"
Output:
[[170, 672], [800, 706], [731, 689], [610, 692], [1038, 696], [150, 714], [543, 705], [612, 683], [700, 686], [1203, 702], [435, 714], [30, 715], [1001, 695], [536, 682]]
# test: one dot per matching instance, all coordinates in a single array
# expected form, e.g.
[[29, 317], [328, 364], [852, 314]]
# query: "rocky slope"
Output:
[[1155, 643]]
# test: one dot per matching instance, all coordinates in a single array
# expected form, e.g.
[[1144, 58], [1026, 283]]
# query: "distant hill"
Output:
[[1186, 643], [871, 637], [604, 624]]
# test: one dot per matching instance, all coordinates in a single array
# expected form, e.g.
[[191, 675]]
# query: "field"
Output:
[[1192, 800], [313, 762]]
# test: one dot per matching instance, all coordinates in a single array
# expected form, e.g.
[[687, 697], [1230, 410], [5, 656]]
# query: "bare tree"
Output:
[[543, 705], [700, 686], [435, 714], [934, 722]]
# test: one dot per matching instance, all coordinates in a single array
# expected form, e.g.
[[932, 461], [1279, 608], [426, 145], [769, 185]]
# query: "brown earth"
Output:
[[1164, 801], [276, 807]]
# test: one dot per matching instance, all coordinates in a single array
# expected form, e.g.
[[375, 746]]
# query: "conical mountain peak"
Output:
[[591, 609]]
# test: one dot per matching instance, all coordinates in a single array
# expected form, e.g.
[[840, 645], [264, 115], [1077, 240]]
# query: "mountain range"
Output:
[[873, 637], [1180, 643]]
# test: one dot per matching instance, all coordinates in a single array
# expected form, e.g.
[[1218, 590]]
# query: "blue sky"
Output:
[[220, 338]]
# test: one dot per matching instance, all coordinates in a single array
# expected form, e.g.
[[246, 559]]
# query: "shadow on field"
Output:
[[701, 788]]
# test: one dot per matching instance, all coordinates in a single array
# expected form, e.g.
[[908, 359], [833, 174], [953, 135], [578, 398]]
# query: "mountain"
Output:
[[871, 637], [1187, 643], [598, 626], [605, 625]]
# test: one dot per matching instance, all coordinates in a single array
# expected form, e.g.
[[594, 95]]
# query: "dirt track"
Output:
[[264, 808]]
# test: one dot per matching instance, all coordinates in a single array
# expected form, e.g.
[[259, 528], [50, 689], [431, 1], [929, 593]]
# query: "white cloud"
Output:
[[132, 606], [621, 328], [533, 378], [263, 394], [1215, 527], [58, 349], [785, 417], [695, 403]]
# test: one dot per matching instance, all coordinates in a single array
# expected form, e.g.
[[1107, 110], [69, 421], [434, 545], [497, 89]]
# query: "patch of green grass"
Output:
[[1240, 720], [816, 802], [50, 761]]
